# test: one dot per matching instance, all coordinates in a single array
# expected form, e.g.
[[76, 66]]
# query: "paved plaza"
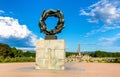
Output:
[[72, 70]]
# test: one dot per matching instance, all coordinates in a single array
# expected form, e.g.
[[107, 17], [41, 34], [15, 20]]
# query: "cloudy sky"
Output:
[[94, 24]]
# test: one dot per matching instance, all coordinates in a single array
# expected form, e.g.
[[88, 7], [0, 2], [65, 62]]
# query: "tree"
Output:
[[19, 53], [16, 53], [5, 50], [29, 54], [99, 53]]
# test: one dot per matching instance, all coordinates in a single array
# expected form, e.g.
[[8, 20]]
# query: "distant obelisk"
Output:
[[79, 50]]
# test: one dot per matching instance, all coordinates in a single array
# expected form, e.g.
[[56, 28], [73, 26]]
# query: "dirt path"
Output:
[[72, 70]]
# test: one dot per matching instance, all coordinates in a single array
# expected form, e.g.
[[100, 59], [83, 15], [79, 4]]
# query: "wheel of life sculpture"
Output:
[[60, 24]]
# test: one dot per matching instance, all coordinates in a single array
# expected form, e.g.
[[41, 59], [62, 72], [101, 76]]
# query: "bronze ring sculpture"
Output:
[[58, 27]]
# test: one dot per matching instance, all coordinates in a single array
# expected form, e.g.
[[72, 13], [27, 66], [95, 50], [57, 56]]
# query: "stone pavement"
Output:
[[71, 70]]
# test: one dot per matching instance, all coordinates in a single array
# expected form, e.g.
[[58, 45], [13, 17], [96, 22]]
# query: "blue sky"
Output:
[[94, 24]]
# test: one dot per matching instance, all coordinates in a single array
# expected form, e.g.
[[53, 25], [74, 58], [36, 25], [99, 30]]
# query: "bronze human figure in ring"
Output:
[[50, 34]]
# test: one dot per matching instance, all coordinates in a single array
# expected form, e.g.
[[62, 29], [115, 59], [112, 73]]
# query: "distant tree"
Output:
[[20, 53], [71, 53], [16, 52], [99, 53], [29, 54], [5, 50], [85, 53]]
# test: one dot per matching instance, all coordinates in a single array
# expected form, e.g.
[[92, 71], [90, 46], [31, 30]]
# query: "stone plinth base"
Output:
[[50, 54], [50, 37]]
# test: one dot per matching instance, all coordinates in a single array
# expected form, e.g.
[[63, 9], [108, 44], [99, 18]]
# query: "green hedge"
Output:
[[17, 59]]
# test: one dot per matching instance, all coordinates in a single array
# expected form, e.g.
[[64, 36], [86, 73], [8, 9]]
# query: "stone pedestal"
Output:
[[50, 54]]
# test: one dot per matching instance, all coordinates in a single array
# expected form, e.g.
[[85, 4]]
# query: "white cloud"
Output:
[[13, 33], [84, 13], [41, 38], [113, 41], [102, 29], [105, 11], [1, 11], [10, 27], [25, 49]]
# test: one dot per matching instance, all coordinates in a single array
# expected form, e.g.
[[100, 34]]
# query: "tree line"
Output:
[[97, 53], [12, 52]]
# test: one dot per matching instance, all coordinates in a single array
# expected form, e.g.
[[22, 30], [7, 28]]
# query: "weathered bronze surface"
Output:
[[50, 34]]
